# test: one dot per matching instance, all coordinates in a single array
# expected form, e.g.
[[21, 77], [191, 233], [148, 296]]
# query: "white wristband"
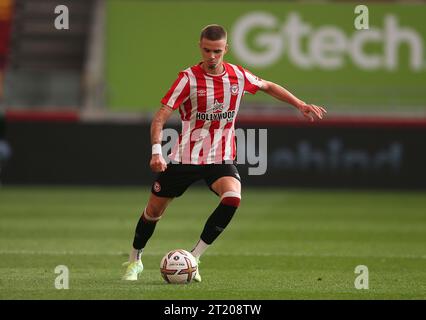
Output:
[[156, 148]]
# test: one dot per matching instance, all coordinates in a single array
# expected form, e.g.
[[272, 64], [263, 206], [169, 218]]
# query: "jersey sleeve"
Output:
[[252, 83], [178, 92]]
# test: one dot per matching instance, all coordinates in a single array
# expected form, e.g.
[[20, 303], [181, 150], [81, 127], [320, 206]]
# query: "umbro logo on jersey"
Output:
[[234, 89], [201, 93]]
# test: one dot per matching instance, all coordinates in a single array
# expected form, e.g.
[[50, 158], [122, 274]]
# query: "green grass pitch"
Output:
[[282, 244]]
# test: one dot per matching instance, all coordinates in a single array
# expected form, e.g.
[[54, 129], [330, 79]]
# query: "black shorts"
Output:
[[174, 181]]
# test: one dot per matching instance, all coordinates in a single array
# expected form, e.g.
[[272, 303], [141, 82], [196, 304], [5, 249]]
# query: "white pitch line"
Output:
[[236, 254]]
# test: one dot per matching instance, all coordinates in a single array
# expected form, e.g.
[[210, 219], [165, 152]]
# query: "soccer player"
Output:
[[208, 96]]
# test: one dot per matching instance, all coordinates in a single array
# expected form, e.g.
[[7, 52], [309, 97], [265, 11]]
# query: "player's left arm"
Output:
[[282, 94]]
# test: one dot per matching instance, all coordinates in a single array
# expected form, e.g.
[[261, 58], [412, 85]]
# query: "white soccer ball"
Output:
[[178, 266]]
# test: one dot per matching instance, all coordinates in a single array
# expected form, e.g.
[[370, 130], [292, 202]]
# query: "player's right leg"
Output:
[[144, 230], [168, 184]]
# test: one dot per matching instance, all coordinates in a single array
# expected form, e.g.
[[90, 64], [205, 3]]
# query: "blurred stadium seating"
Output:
[[45, 65]]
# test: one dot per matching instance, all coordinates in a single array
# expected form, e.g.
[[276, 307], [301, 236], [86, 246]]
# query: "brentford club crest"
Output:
[[157, 187], [234, 89]]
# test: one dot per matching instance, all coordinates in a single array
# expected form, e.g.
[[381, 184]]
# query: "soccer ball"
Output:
[[178, 266]]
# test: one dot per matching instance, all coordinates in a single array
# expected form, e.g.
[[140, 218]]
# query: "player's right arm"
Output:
[[177, 94], [157, 163]]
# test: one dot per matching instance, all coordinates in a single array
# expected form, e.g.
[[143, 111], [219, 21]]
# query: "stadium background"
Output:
[[76, 106]]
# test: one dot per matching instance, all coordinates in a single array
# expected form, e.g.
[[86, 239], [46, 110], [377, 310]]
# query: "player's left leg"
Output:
[[229, 190]]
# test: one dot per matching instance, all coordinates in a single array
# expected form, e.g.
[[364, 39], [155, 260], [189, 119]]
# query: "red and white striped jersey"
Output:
[[208, 105]]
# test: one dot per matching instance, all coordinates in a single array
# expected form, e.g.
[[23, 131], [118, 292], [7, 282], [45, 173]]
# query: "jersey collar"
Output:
[[213, 75]]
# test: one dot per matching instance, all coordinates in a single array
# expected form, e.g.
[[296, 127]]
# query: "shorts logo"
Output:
[[234, 89], [157, 186]]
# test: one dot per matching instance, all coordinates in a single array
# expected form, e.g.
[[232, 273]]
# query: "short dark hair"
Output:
[[213, 32]]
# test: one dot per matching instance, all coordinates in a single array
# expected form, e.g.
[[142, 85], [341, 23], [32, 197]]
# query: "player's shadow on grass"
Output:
[[161, 283]]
